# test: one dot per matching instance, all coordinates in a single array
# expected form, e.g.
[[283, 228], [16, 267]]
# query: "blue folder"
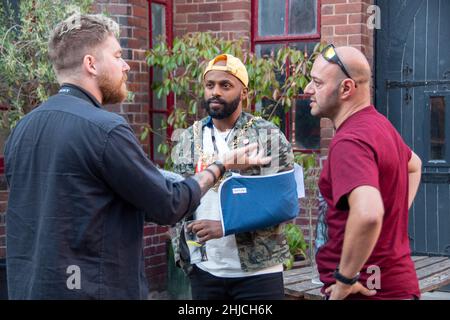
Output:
[[250, 203]]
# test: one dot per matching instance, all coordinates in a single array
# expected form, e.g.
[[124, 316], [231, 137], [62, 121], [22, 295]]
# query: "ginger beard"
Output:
[[112, 92]]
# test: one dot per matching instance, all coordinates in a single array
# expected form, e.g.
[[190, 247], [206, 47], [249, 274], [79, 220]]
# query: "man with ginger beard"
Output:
[[81, 186]]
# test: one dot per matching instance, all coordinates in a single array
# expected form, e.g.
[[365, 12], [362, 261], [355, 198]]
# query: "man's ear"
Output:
[[89, 65], [244, 93], [347, 88]]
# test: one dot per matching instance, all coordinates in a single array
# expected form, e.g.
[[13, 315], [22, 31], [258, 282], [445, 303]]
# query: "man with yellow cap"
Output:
[[243, 266]]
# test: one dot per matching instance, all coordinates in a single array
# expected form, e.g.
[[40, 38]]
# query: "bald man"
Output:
[[369, 182]]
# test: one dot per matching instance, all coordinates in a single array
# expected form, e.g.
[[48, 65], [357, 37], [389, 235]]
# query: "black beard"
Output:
[[225, 112]]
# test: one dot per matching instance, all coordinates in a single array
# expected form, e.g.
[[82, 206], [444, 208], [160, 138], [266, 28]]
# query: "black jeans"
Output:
[[206, 286]]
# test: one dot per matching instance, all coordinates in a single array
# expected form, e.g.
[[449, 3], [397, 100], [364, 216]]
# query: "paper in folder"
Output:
[[249, 203]]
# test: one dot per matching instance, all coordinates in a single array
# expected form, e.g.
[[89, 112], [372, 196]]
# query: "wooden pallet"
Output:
[[432, 272]]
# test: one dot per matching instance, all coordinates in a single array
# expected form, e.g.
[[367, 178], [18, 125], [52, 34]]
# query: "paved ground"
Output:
[[436, 295]]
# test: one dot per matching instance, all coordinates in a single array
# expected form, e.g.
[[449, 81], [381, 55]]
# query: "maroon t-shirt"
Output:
[[368, 151]]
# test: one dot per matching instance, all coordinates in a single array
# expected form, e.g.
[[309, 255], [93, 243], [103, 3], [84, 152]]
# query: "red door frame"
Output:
[[286, 38], [168, 4]]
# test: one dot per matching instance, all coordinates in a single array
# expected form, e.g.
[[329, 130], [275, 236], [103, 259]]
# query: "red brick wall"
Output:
[[344, 23], [132, 15], [227, 19], [309, 205]]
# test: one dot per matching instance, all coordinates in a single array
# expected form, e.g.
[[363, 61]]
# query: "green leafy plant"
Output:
[[182, 68], [306, 160], [296, 242], [26, 74]]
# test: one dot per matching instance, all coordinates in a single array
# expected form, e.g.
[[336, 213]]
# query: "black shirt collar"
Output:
[[76, 91]]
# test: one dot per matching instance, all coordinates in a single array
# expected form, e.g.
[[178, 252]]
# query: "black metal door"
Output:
[[413, 91]]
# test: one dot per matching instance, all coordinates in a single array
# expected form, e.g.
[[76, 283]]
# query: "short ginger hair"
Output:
[[78, 35]]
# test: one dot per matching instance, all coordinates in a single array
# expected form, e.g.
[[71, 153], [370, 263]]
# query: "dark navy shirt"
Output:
[[81, 188]]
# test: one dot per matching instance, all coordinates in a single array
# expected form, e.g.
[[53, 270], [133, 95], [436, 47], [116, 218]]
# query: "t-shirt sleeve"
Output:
[[353, 164], [408, 151]]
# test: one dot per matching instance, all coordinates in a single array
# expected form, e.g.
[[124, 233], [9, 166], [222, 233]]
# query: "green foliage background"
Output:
[[182, 68], [296, 242], [26, 75]]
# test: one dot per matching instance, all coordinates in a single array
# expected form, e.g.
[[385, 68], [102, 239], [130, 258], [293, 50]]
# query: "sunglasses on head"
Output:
[[330, 55]]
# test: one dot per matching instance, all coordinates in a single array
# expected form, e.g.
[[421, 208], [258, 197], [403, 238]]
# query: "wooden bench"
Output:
[[432, 272]]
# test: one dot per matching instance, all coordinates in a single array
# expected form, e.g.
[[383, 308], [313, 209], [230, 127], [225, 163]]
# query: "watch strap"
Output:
[[341, 278]]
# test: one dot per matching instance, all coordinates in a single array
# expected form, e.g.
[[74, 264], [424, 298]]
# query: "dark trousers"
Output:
[[205, 286]]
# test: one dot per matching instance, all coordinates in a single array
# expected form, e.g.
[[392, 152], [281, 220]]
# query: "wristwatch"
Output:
[[221, 167], [348, 281]]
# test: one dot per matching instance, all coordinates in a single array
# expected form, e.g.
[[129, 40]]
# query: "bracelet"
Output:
[[212, 173], [219, 164]]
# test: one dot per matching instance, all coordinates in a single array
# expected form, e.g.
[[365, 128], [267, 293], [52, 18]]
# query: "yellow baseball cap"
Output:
[[233, 66]]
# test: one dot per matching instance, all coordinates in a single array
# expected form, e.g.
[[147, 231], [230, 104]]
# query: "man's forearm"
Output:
[[236, 159], [362, 230], [205, 179], [361, 236]]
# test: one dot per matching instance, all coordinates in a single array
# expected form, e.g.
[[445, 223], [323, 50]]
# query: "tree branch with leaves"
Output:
[[182, 69], [26, 74]]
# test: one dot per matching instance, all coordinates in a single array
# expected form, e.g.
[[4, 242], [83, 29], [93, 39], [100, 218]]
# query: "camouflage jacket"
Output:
[[258, 249]]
